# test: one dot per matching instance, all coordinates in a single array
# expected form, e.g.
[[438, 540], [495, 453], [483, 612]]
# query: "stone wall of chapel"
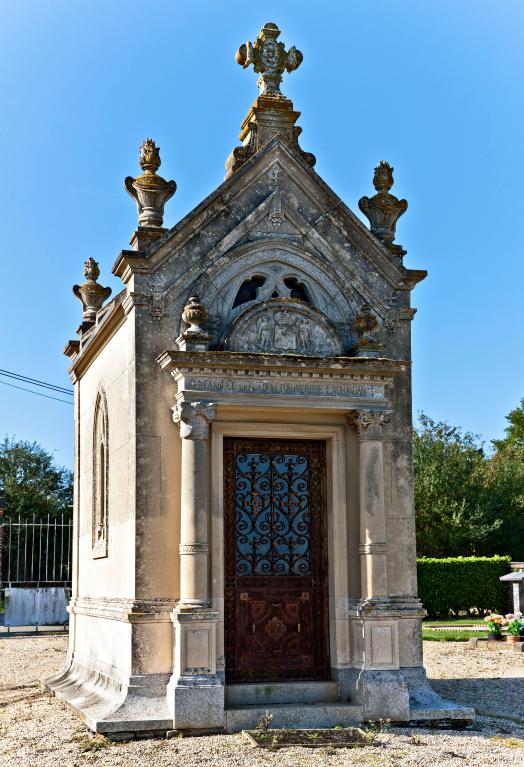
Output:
[[158, 452], [112, 369]]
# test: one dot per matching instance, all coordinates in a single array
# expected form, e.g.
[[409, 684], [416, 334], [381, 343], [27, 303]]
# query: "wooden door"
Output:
[[276, 610]]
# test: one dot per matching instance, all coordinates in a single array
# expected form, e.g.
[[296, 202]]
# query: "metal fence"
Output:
[[36, 553]]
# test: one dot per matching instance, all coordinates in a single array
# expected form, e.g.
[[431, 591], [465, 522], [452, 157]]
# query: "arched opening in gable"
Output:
[[298, 289], [248, 291]]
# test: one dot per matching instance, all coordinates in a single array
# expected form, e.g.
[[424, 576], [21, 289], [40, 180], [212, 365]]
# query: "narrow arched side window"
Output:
[[100, 476]]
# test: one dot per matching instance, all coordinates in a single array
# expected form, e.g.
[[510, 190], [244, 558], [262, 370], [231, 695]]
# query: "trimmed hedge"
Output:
[[448, 587]]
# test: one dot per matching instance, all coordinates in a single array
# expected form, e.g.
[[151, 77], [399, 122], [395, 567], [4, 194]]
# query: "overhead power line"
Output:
[[39, 394], [35, 382]]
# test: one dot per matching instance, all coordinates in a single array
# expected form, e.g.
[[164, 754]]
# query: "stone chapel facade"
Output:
[[244, 524]]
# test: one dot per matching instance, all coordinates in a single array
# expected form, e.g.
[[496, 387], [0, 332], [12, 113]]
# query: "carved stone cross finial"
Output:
[[269, 59], [384, 209], [91, 294], [150, 191]]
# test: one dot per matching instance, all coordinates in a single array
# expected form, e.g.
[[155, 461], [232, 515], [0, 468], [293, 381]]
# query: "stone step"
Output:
[[446, 715], [265, 694], [289, 715]]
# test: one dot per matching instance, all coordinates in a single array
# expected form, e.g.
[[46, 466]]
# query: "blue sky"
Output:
[[435, 87]]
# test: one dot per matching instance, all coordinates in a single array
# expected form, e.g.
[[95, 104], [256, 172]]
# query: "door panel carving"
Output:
[[275, 560]]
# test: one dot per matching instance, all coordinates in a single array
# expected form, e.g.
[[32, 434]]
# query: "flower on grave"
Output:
[[495, 623], [514, 623]]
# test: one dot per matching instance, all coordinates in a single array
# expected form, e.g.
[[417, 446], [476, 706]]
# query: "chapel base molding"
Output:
[[120, 709], [121, 609]]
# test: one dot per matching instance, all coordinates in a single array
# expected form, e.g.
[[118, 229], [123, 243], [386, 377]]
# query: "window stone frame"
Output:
[[100, 490]]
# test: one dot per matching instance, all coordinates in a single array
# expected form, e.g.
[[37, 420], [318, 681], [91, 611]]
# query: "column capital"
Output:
[[369, 423], [193, 418]]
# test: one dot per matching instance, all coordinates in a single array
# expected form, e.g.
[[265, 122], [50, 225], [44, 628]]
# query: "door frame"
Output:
[[336, 523], [313, 612]]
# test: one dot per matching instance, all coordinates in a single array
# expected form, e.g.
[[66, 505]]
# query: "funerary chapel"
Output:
[[244, 532]]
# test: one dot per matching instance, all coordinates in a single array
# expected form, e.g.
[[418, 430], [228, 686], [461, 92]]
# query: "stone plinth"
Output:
[[516, 583]]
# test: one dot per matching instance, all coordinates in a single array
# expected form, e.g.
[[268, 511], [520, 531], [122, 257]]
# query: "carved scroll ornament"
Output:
[[193, 418], [370, 423]]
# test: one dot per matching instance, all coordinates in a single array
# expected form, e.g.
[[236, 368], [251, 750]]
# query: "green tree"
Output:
[[515, 431], [31, 483], [453, 517], [504, 492], [504, 483]]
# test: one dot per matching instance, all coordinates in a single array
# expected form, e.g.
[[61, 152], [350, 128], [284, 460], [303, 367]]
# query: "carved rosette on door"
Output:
[[275, 557]]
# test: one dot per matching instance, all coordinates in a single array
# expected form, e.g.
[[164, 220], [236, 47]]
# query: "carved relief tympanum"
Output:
[[284, 326]]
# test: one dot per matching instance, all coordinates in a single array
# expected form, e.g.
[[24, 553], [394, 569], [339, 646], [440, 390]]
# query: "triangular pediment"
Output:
[[257, 179], [277, 222]]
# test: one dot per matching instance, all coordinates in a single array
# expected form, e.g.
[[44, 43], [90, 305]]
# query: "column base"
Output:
[[196, 691], [403, 695], [382, 694], [198, 703]]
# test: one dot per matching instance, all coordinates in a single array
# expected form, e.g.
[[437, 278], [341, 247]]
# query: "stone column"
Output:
[[194, 418], [195, 691], [378, 684], [373, 559]]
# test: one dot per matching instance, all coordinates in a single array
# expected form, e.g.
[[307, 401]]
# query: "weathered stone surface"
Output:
[[198, 704], [290, 715]]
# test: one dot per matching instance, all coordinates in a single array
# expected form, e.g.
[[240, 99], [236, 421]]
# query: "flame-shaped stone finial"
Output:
[[91, 294], [150, 191], [384, 209]]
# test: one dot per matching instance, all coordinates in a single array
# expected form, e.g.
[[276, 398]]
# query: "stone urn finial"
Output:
[[91, 294], [269, 59], [365, 325], [194, 315], [384, 209], [150, 191], [194, 338]]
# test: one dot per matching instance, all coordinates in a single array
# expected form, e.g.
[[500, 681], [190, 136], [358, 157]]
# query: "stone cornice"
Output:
[[100, 335], [387, 607], [267, 364], [269, 380], [72, 348], [130, 262], [128, 610]]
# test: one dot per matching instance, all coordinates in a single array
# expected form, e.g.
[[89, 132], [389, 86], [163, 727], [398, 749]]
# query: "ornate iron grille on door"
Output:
[[275, 560]]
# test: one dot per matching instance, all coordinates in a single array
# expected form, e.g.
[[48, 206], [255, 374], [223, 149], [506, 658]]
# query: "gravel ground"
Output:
[[39, 731]]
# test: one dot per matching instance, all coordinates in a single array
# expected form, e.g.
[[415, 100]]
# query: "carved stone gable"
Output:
[[284, 326]]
